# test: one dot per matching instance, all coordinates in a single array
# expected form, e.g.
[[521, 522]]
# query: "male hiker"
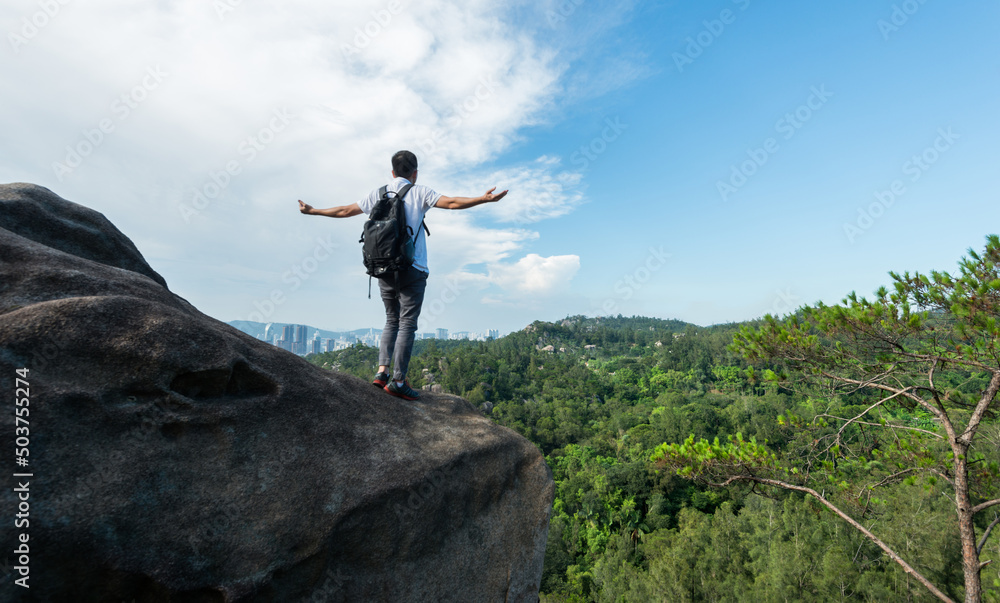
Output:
[[403, 292]]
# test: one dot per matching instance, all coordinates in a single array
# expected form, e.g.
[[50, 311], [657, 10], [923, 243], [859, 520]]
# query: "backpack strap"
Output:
[[425, 229], [401, 194], [382, 196], [400, 211]]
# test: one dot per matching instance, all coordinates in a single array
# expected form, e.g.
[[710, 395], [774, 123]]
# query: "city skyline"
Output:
[[307, 339]]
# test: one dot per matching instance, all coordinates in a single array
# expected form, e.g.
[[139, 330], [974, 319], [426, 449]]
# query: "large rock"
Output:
[[176, 459]]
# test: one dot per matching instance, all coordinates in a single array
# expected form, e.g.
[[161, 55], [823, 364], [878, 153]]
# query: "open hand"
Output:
[[489, 197]]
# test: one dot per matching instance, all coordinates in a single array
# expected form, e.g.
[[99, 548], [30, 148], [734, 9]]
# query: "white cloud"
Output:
[[539, 190], [442, 78], [535, 275], [455, 82]]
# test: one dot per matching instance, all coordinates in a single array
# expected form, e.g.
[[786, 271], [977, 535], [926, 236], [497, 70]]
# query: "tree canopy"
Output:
[[921, 358], [619, 404]]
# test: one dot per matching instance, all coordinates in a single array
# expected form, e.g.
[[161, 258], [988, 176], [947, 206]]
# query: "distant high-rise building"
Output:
[[300, 333], [269, 332], [442, 333], [286, 333], [494, 334], [329, 345], [314, 348], [461, 335]]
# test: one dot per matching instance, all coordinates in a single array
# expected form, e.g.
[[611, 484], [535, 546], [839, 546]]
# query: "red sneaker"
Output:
[[380, 380], [403, 391]]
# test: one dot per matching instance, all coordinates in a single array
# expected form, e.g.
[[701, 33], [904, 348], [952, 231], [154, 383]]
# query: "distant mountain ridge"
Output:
[[582, 323]]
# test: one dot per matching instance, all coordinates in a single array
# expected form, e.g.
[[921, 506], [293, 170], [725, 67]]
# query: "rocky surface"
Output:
[[177, 459]]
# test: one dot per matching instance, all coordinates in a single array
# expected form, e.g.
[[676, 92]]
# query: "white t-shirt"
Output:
[[415, 205]]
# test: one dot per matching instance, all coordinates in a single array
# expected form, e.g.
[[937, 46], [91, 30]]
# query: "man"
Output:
[[403, 293]]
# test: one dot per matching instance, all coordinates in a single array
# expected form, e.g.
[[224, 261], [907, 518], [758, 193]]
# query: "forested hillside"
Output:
[[600, 395]]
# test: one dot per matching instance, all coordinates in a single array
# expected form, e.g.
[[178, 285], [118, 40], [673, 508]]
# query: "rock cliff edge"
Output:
[[178, 459]]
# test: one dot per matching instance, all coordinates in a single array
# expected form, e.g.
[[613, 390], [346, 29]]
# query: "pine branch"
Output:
[[985, 505], [982, 542], [872, 407], [984, 403], [937, 412]]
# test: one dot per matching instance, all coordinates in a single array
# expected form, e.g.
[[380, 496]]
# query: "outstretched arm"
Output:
[[467, 202], [343, 211]]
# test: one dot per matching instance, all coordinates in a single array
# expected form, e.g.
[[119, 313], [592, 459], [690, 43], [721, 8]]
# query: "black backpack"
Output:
[[388, 243]]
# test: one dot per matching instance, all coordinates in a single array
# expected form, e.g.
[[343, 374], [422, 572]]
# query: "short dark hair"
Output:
[[404, 163]]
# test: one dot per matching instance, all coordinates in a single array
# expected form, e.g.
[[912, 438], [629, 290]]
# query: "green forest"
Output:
[[705, 464]]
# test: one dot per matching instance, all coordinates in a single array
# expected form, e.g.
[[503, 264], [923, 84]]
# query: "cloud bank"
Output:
[[196, 125]]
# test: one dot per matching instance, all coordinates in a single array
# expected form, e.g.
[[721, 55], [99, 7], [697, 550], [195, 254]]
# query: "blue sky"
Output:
[[706, 161]]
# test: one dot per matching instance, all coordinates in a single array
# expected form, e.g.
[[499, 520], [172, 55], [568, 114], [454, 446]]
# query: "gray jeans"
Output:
[[402, 295]]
